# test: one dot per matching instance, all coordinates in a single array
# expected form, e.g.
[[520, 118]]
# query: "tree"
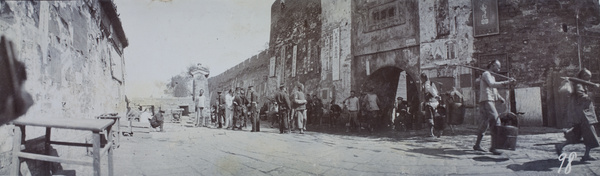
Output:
[[178, 86], [182, 85]]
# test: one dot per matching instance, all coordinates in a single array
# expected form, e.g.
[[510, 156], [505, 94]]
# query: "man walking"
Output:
[[253, 109], [583, 119], [285, 106], [200, 100], [487, 99]]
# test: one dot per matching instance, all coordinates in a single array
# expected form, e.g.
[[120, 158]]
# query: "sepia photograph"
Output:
[[299, 87]]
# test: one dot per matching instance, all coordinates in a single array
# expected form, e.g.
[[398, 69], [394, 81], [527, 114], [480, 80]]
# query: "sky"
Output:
[[166, 36]]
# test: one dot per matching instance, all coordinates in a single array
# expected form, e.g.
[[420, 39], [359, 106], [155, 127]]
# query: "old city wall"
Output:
[[294, 45], [336, 51], [540, 41], [252, 71], [75, 69]]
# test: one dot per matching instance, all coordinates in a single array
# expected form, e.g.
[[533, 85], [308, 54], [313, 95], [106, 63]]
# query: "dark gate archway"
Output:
[[384, 82]]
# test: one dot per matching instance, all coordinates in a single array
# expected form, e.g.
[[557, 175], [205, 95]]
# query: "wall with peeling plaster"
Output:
[[75, 69]]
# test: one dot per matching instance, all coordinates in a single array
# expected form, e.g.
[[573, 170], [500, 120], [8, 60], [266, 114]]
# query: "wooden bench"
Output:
[[96, 126]]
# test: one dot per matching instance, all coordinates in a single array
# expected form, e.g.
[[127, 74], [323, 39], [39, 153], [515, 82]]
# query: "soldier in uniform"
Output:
[[238, 104], [220, 109], [253, 109], [285, 106]]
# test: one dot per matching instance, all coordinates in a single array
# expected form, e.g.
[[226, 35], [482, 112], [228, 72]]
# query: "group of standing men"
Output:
[[370, 111], [234, 109], [288, 107]]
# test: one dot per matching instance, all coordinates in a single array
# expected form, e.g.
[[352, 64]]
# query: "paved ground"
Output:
[[323, 151]]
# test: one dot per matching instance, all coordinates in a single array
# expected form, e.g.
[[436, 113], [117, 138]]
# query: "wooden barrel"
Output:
[[506, 137], [456, 114]]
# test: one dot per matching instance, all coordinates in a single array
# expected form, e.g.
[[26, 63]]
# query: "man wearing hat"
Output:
[[238, 108], [300, 107], [220, 109], [252, 108], [285, 106]]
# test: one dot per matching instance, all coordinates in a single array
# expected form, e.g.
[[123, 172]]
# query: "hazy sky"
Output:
[[166, 37]]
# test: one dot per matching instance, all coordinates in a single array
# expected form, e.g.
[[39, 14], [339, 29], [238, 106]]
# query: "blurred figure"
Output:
[[15, 105], [583, 118], [158, 120], [402, 113], [334, 114], [372, 106], [200, 119], [317, 107], [432, 101]]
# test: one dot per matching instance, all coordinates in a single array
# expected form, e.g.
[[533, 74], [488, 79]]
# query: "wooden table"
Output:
[[117, 120], [96, 126]]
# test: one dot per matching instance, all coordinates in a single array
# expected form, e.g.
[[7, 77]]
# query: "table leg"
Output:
[[16, 150], [96, 145], [47, 147], [110, 153], [118, 132]]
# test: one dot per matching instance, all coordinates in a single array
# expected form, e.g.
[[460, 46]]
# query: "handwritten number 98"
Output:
[[569, 159]]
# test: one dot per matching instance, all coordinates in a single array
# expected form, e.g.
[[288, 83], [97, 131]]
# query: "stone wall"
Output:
[[252, 72], [542, 40], [336, 51], [294, 45], [292, 57], [75, 68]]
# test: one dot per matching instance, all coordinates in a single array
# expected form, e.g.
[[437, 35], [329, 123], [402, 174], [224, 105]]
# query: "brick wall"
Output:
[[541, 42], [74, 66]]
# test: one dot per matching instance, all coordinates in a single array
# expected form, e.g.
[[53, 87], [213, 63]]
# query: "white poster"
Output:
[[294, 52], [325, 57], [335, 54], [272, 67]]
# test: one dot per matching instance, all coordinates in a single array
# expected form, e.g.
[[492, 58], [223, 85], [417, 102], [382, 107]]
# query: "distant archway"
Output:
[[385, 81]]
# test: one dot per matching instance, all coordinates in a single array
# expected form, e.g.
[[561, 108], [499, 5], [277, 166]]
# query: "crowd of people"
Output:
[[293, 111]]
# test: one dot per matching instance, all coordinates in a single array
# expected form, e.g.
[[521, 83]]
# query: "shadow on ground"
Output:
[[489, 159], [541, 165], [447, 153]]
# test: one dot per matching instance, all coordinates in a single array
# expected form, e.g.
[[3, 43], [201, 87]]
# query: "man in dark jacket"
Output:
[[238, 109], [158, 120], [253, 109], [285, 106]]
